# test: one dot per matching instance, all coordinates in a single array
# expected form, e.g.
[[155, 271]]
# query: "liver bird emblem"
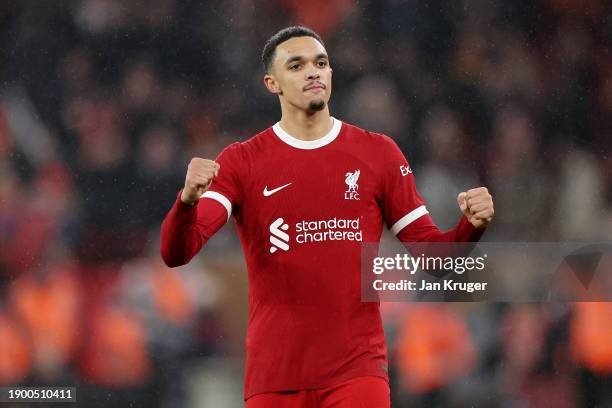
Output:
[[351, 181]]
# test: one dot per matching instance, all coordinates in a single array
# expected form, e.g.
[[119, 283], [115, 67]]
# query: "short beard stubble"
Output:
[[315, 106]]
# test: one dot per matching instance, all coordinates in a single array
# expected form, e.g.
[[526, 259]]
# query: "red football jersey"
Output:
[[302, 210]]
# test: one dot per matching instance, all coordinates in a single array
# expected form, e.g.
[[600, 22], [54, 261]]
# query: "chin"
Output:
[[316, 105]]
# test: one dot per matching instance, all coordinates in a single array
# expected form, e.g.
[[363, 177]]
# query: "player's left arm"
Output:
[[478, 211], [406, 212]]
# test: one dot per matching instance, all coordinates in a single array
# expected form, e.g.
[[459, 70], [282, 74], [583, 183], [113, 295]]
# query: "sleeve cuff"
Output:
[[184, 206], [468, 232]]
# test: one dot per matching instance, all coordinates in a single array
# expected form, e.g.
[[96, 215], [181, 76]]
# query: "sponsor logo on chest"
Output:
[[313, 231]]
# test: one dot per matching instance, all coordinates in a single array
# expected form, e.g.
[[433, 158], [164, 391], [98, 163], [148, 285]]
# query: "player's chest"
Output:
[[342, 184]]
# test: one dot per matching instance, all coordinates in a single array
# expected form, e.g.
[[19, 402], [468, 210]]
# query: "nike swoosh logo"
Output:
[[268, 193]]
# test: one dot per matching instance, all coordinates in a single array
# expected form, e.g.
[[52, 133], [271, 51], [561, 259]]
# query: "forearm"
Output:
[[419, 236], [424, 230], [187, 228]]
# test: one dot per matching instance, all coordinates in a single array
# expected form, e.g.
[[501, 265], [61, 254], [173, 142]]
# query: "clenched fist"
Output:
[[477, 205], [200, 174]]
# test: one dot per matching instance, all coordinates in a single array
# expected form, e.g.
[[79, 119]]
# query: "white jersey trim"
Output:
[[220, 198], [308, 144], [408, 219]]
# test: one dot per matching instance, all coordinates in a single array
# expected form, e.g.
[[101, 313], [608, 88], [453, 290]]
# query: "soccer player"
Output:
[[305, 194]]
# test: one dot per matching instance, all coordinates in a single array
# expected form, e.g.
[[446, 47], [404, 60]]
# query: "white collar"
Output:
[[308, 144]]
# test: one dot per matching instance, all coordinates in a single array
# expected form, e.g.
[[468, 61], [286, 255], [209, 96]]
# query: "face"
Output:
[[301, 74]]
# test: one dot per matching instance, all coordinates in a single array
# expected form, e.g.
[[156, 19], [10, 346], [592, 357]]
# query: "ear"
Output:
[[272, 85]]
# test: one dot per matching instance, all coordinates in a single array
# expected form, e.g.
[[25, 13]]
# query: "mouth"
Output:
[[315, 86]]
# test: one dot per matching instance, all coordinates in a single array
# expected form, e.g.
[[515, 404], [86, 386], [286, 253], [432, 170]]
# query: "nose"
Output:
[[312, 74]]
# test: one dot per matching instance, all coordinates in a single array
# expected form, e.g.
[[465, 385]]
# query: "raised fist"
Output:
[[477, 205], [200, 173]]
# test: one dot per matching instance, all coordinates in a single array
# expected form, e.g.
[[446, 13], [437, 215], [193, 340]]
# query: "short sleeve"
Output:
[[225, 187], [402, 203]]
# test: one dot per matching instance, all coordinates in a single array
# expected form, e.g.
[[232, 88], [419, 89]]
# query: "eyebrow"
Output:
[[301, 58]]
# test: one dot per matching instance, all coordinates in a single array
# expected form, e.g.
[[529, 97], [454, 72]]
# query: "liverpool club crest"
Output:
[[351, 181]]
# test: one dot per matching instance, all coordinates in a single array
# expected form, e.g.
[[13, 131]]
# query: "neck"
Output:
[[305, 125]]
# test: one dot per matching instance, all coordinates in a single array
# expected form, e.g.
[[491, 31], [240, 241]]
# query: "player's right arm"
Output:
[[202, 207], [200, 173], [190, 223]]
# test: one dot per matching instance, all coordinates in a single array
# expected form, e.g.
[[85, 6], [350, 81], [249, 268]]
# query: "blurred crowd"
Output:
[[103, 103]]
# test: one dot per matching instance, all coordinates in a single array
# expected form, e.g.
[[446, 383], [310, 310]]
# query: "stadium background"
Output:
[[103, 102]]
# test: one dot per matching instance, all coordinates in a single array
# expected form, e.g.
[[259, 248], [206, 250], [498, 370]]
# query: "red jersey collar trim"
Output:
[[308, 144]]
